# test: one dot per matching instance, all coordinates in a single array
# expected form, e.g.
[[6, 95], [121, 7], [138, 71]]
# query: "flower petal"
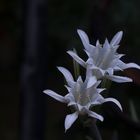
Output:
[[55, 95], [97, 99], [116, 47], [118, 56], [118, 79], [114, 101], [88, 53], [116, 39], [99, 90], [90, 61], [88, 72], [99, 73], [68, 88], [84, 38], [79, 80], [77, 58], [95, 115], [70, 119], [117, 68], [72, 103], [132, 65], [122, 65], [92, 80], [98, 43], [97, 83], [69, 98], [110, 71], [67, 75], [106, 44]]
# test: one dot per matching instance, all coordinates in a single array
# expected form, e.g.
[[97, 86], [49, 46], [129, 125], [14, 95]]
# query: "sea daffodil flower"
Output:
[[81, 95], [104, 59]]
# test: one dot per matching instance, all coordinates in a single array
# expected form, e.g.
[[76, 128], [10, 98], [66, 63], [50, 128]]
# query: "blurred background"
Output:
[[34, 38]]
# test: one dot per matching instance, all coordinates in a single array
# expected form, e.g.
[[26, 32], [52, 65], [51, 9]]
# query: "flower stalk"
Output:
[[93, 131]]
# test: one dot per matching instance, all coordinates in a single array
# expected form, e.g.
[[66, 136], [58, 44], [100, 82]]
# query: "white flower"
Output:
[[104, 59], [81, 95]]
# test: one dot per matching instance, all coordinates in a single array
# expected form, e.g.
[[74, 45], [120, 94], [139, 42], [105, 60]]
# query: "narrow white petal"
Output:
[[79, 80], [98, 43], [116, 39], [117, 68], [72, 103], [88, 73], [106, 44], [121, 64], [88, 53], [118, 79], [115, 47], [95, 115], [97, 99], [99, 73], [70, 119], [132, 65], [114, 101], [119, 56], [80, 108], [83, 35], [67, 75], [93, 67], [77, 58], [97, 83], [92, 80], [99, 90], [55, 95], [89, 61], [84, 38], [68, 88], [69, 98], [110, 71], [91, 46]]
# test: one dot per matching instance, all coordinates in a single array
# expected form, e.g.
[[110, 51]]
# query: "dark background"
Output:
[[34, 38]]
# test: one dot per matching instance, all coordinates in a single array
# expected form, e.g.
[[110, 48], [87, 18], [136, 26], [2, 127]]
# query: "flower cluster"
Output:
[[103, 60]]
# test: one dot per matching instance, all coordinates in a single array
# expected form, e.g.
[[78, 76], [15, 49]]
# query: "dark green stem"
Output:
[[92, 130]]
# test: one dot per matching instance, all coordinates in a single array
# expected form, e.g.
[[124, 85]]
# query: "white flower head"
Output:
[[104, 59], [81, 95]]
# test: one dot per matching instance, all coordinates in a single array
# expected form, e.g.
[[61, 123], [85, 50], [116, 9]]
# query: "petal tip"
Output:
[[79, 31], [45, 91], [69, 120]]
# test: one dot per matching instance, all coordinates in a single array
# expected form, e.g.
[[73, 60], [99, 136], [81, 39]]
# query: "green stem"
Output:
[[107, 85], [93, 131]]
